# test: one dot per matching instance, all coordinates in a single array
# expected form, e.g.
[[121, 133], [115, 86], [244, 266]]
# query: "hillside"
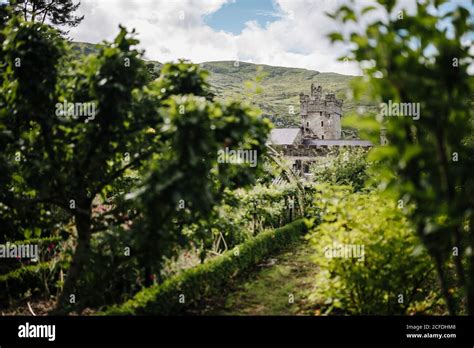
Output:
[[280, 86]]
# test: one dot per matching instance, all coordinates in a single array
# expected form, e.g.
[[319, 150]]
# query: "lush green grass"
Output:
[[197, 285], [268, 290]]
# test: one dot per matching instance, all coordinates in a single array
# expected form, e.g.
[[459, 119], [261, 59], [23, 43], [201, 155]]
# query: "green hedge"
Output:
[[40, 241], [210, 278], [18, 278], [17, 282]]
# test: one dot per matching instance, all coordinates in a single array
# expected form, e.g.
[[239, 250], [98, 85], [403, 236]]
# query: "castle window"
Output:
[[320, 113], [322, 137], [307, 124], [322, 123]]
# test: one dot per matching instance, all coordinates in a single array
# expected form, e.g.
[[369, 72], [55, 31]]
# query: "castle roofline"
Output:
[[284, 136], [317, 142]]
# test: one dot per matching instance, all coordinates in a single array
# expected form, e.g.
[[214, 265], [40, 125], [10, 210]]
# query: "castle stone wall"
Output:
[[321, 114]]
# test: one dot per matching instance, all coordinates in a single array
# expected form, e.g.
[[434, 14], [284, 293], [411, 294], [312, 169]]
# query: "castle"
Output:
[[320, 130], [320, 114]]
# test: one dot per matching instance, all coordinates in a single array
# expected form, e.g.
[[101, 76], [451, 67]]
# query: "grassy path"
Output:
[[279, 286]]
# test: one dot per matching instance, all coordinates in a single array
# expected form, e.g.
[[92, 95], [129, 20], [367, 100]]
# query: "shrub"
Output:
[[391, 274], [210, 278], [243, 213], [19, 276], [345, 166], [428, 160], [34, 278], [46, 249], [123, 277], [267, 207]]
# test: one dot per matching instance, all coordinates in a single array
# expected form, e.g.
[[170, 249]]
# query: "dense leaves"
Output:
[[369, 262], [423, 58], [346, 166], [74, 169]]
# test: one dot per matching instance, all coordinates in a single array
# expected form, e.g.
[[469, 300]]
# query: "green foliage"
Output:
[[345, 166], [50, 161], [182, 78], [20, 277], [267, 207], [211, 278], [35, 279], [189, 173], [113, 273], [243, 213], [147, 146], [387, 265], [46, 250], [28, 99], [239, 217], [422, 58]]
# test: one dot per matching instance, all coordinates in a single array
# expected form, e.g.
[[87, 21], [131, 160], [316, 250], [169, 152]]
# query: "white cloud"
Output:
[[169, 30]]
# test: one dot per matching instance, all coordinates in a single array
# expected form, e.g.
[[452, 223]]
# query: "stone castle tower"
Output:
[[320, 114]]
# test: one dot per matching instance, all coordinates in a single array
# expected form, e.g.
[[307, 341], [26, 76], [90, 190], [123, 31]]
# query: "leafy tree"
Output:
[[422, 58], [58, 167], [188, 180], [57, 12]]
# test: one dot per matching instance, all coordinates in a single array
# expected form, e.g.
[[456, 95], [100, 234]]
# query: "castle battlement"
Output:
[[319, 133], [320, 114]]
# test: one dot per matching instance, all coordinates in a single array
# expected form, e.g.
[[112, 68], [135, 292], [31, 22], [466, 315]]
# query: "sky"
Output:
[[289, 33]]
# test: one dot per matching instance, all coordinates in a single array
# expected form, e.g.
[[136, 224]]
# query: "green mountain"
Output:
[[278, 87], [85, 48]]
